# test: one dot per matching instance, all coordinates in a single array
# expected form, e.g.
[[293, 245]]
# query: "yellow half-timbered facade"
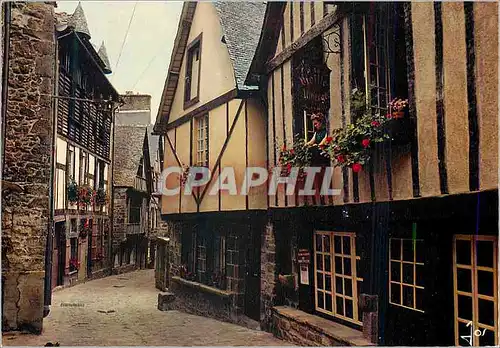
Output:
[[208, 117]]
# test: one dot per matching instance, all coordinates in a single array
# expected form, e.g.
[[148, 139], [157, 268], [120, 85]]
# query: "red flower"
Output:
[[340, 159], [292, 151], [388, 116], [288, 166], [356, 167], [375, 123], [328, 140], [366, 142]]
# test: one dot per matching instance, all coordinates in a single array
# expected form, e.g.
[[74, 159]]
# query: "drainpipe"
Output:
[[5, 71], [47, 300], [112, 191]]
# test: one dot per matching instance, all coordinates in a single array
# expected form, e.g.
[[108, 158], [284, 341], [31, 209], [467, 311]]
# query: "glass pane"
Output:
[[407, 273], [321, 300], [319, 262], [465, 307], [420, 251], [347, 266], [408, 250], [485, 283], [328, 304], [463, 332], [484, 253], [463, 252], [464, 280], [326, 242], [419, 275], [348, 287], [338, 265], [347, 246], [349, 309], [395, 249], [395, 293], [486, 312], [328, 263], [408, 296], [318, 243], [328, 283], [358, 269], [320, 280], [339, 287], [337, 244], [487, 339], [340, 305], [419, 297]]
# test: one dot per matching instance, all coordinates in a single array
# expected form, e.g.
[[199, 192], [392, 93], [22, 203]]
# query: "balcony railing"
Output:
[[140, 184]]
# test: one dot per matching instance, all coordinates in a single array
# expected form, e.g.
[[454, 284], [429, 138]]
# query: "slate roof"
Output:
[[128, 151], [241, 24], [103, 54], [79, 22]]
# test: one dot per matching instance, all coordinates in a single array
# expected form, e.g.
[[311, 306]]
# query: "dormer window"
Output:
[[192, 79]]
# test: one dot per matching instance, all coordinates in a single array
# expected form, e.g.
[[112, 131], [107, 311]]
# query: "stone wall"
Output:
[[268, 276], [27, 163], [119, 217]]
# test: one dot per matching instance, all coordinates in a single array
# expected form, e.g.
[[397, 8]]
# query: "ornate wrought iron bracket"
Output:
[[331, 40]]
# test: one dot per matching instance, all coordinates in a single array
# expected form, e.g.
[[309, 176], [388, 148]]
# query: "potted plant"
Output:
[[85, 195], [74, 265], [85, 228], [299, 156], [101, 198], [397, 108], [351, 146], [72, 191]]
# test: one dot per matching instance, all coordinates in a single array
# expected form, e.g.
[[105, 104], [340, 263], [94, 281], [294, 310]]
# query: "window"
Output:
[[73, 261], [378, 55], [406, 276], [99, 174], [201, 259], [336, 278], [475, 276], [83, 168], [134, 216], [201, 146], [71, 162], [192, 84]]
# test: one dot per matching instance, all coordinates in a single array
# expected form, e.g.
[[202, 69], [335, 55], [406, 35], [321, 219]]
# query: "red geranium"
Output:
[[328, 140], [340, 158], [366, 142], [356, 167], [375, 123]]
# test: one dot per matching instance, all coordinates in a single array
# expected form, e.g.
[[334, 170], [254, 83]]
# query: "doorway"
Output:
[[60, 232], [252, 276]]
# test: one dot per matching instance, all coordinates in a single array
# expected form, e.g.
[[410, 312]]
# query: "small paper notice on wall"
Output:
[[304, 274]]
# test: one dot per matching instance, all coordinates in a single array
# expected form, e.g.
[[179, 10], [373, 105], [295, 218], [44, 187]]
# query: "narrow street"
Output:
[[121, 311]]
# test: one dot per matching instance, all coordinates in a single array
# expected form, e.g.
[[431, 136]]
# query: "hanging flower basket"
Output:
[[85, 228], [352, 146], [74, 265], [101, 198], [85, 196], [299, 156], [397, 108], [73, 191]]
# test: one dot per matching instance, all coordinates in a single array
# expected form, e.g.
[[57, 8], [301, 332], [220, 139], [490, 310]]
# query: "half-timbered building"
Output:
[[407, 253], [208, 118], [85, 105]]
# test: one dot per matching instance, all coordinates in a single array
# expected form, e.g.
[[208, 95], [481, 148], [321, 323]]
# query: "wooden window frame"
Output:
[[474, 268], [190, 100], [332, 273], [201, 136], [401, 282]]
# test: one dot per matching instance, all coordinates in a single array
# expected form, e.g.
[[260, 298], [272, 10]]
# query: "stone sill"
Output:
[[203, 287], [338, 332]]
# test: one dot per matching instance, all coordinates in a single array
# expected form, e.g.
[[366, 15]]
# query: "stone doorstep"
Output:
[[330, 328], [203, 287]]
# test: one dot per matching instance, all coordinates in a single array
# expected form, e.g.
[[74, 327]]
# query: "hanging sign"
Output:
[[304, 256]]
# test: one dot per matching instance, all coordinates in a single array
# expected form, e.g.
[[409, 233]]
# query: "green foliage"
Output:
[[299, 156], [73, 191], [351, 146]]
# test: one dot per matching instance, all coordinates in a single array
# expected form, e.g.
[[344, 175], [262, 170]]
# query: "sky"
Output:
[[143, 63]]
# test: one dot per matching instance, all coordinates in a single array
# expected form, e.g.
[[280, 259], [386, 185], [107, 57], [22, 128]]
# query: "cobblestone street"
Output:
[[121, 311]]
